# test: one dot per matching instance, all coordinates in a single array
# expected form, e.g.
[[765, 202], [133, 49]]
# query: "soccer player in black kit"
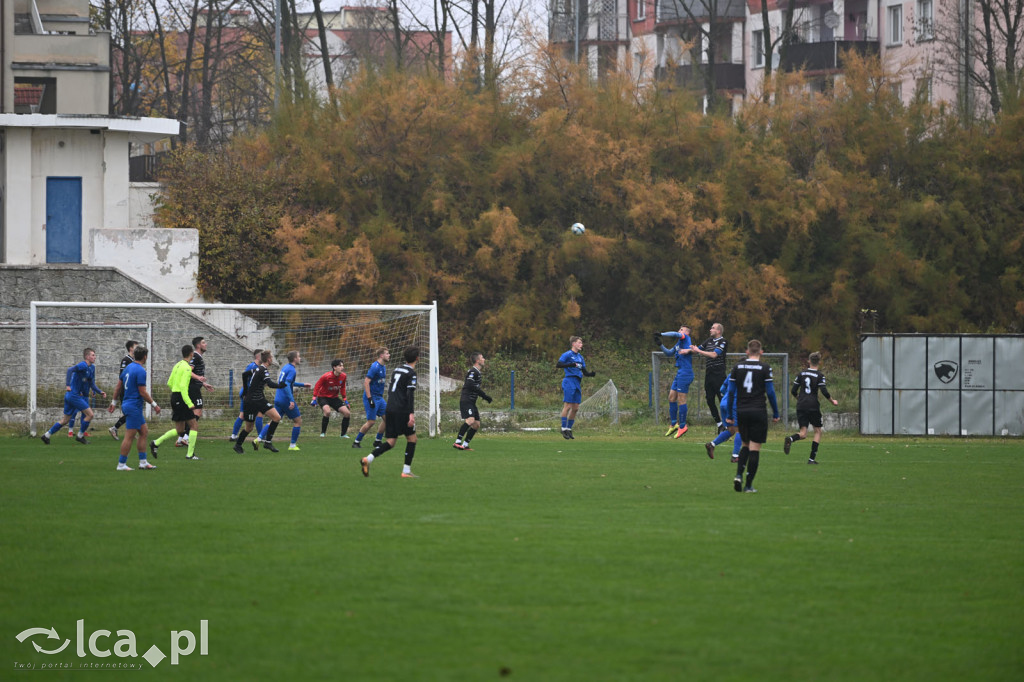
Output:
[[714, 370], [399, 417], [467, 402], [808, 411], [125, 361], [751, 381], [256, 402]]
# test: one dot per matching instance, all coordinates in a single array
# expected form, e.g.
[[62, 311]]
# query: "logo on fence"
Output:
[[946, 370]]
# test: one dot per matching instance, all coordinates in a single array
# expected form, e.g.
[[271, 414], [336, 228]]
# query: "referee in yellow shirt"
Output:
[[181, 405]]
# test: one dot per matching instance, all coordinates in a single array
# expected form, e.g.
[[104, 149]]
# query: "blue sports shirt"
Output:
[[286, 376], [133, 377], [684, 361], [573, 372], [81, 378], [377, 374]]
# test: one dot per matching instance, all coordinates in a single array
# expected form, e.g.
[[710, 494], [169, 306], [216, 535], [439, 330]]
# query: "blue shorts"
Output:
[[75, 403], [681, 384], [571, 392], [282, 409], [379, 405], [134, 418]]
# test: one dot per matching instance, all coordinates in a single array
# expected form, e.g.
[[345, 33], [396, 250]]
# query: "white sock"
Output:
[[369, 458], [406, 469]]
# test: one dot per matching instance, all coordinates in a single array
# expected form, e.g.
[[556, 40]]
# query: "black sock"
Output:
[[242, 435], [410, 452], [742, 463], [344, 425], [795, 437], [270, 431], [753, 460], [469, 435], [814, 449], [323, 424], [462, 431], [380, 448], [120, 422]]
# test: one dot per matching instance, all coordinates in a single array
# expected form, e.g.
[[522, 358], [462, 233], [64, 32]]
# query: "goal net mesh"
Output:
[[232, 335], [601, 406]]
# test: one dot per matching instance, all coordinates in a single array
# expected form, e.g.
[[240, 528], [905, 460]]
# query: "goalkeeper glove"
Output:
[[657, 339], [312, 403], [372, 405], [589, 374]]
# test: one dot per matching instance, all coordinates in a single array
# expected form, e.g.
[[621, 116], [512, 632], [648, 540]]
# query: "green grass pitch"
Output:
[[612, 557]]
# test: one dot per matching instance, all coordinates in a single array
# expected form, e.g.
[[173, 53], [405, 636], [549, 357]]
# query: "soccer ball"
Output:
[[578, 229]]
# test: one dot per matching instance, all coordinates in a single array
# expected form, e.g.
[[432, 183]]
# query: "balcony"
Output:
[[675, 11], [727, 76], [826, 56]]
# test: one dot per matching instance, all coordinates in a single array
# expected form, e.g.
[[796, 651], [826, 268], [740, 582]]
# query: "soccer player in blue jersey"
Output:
[[575, 369], [133, 379], [241, 398], [128, 359], [681, 350], [79, 381], [373, 398], [284, 400], [729, 421]]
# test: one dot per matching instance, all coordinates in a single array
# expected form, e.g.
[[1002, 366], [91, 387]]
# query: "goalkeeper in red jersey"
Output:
[[330, 393]]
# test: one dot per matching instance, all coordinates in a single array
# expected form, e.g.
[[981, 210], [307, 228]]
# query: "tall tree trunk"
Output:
[[325, 53]]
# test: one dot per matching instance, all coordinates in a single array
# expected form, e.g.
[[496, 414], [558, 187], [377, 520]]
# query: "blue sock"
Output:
[[721, 438], [737, 444], [55, 428], [85, 427], [565, 421], [295, 434], [673, 411], [569, 423], [263, 432], [683, 409], [359, 436], [379, 437], [237, 427], [123, 459], [142, 456], [259, 424]]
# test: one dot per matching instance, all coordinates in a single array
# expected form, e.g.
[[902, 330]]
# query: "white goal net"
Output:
[[601, 406], [60, 331]]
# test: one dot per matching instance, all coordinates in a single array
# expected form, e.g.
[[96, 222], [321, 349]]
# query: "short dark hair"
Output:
[[814, 358], [292, 354], [265, 356], [196, 341], [335, 363], [129, 344], [140, 353], [411, 354], [258, 351], [753, 346], [186, 351], [473, 357], [574, 339], [87, 351]]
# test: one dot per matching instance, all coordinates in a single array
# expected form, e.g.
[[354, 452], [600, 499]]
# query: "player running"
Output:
[[400, 417], [808, 410], [135, 394], [79, 381]]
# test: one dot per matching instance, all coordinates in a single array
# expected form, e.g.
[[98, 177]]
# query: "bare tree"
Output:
[[981, 50]]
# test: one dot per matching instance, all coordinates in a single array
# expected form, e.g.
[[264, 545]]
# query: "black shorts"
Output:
[[252, 410], [753, 425], [468, 409], [808, 418], [397, 424], [334, 403], [713, 380], [180, 412], [195, 392]]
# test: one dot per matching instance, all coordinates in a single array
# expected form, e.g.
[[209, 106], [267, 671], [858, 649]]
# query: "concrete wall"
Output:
[[141, 204], [167, 261], [61, 345]]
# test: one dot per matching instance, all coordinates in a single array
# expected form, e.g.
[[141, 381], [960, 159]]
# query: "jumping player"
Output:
[[572, 393], [680, 388]]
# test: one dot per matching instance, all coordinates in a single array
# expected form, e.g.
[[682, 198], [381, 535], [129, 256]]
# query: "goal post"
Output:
[[663, 371], [321, 333]]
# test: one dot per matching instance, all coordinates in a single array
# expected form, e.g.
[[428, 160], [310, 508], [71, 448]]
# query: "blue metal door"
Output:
[[63, 220]]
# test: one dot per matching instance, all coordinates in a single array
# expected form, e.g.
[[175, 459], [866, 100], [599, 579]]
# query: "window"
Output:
[[641, 10], [757, 48], [925, 20], [895, 16]]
